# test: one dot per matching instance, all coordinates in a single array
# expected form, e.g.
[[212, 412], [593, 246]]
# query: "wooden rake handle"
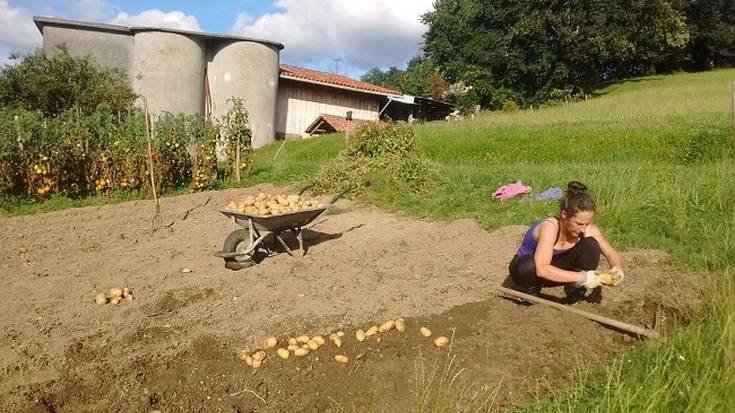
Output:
[[640, 331]]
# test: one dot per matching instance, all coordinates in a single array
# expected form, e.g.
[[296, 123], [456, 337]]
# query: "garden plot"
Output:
[[177, 345]]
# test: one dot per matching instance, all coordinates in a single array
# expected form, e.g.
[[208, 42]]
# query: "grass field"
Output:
[[656, 153]]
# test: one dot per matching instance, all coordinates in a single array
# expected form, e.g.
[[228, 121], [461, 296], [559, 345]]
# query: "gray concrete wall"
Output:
[[168, 70], [109, 49], [248, 70]]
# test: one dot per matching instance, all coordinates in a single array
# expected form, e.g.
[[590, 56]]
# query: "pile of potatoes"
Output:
[[297, 346], [115, 296], [304, 345], [266, 204]]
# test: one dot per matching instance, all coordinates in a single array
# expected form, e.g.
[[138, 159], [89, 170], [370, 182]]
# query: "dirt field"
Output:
[[175, 347]]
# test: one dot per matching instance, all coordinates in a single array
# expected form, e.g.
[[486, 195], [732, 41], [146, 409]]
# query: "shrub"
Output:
[[510, 106], [58, 82]]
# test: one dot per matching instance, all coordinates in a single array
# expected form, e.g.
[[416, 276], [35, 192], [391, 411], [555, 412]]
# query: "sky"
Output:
[[345, 36]]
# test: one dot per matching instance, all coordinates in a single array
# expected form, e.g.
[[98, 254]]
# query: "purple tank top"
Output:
[[528, 245]]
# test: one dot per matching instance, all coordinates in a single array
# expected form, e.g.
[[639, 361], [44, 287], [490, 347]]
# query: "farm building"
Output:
[[194, 72], [305, 95]]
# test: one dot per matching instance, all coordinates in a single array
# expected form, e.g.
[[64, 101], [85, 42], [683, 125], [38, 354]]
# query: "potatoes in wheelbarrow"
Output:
[[267, 204]]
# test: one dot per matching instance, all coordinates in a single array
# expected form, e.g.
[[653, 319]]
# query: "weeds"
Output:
[[441, 390], [379, 157]]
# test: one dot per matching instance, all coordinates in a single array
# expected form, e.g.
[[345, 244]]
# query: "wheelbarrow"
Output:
[[242, 244]]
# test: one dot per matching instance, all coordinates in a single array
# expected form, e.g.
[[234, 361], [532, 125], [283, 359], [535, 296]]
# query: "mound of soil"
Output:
[[175, 347]]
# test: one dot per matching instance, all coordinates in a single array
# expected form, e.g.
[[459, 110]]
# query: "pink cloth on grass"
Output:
[[510, 190]]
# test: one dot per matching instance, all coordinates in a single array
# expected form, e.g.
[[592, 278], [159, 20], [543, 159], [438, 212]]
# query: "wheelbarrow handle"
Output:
[[339, 195], [303, 189]]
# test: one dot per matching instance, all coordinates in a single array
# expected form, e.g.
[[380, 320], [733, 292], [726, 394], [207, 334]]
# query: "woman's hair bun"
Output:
[[576, 188]]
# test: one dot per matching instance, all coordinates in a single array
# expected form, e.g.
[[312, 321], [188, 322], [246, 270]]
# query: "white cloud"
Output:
[[17, 31], [91, 10], [157, 18], [362, 34]]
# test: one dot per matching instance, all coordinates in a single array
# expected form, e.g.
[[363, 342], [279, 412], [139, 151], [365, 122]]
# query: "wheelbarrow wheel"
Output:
[[238, 240]]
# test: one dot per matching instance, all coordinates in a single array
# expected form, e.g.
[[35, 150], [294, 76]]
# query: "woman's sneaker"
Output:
[[575, 293]]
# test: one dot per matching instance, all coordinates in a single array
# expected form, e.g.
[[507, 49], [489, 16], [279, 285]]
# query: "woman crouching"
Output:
[[564, 249]]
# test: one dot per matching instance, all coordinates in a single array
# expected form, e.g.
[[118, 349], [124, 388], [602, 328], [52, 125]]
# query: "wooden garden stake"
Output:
[[237, 161], [157, 217]]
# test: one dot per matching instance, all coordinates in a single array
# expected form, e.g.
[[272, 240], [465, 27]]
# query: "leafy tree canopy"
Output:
[[53, 83], [533, 51], [420, 78]]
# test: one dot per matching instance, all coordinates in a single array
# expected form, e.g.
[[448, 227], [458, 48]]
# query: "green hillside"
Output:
[[657, 154]]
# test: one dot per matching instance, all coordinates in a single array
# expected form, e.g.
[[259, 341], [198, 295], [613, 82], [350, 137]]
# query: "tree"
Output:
[[57, 82], [530, 51], [414, 80], [391, 78], [712, 28]]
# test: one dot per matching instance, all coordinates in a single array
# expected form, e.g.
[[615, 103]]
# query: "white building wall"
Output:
[[299, 104]]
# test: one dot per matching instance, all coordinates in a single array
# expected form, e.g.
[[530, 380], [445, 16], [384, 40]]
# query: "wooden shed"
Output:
[[305, 95]]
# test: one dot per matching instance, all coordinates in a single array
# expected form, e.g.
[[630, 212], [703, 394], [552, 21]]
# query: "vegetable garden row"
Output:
[[78, 155]]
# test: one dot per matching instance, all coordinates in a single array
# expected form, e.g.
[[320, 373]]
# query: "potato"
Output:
[[243, 354], [283, 353], [306, 346], [249, 361], [249, 201], [256, 363], [425, 332], [260, 355], [333, 336], [339, 358], [270, 342], [261, 197], [371, 331], [100, 299], [313, 345], [400, 325], [130, 296], [115, 293], [387, 326], [292, 341], [319, 339], [301, 352], [293, 347], [302, 339], [360, 335], [232, 206], [337, 342], [116, 300], [441, 341], [125, 292], [607, 278], [341, 333]]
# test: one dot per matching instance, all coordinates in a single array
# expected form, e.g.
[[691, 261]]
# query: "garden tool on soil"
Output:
[[640, 331]]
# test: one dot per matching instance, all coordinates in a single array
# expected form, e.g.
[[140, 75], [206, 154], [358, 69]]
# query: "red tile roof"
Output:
[[338, 123], [289, 71]]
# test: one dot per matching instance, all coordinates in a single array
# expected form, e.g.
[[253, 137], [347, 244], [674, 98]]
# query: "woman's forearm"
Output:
[[557, 274]]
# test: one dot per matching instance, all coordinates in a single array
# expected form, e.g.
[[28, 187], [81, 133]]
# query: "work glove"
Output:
[[618, 274], [589, 280]]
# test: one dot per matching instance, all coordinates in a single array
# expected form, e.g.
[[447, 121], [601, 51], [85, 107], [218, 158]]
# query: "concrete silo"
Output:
[[247, 69], [168, 69]]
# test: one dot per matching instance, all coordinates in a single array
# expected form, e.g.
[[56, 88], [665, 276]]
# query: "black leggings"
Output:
[[584, 256]]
